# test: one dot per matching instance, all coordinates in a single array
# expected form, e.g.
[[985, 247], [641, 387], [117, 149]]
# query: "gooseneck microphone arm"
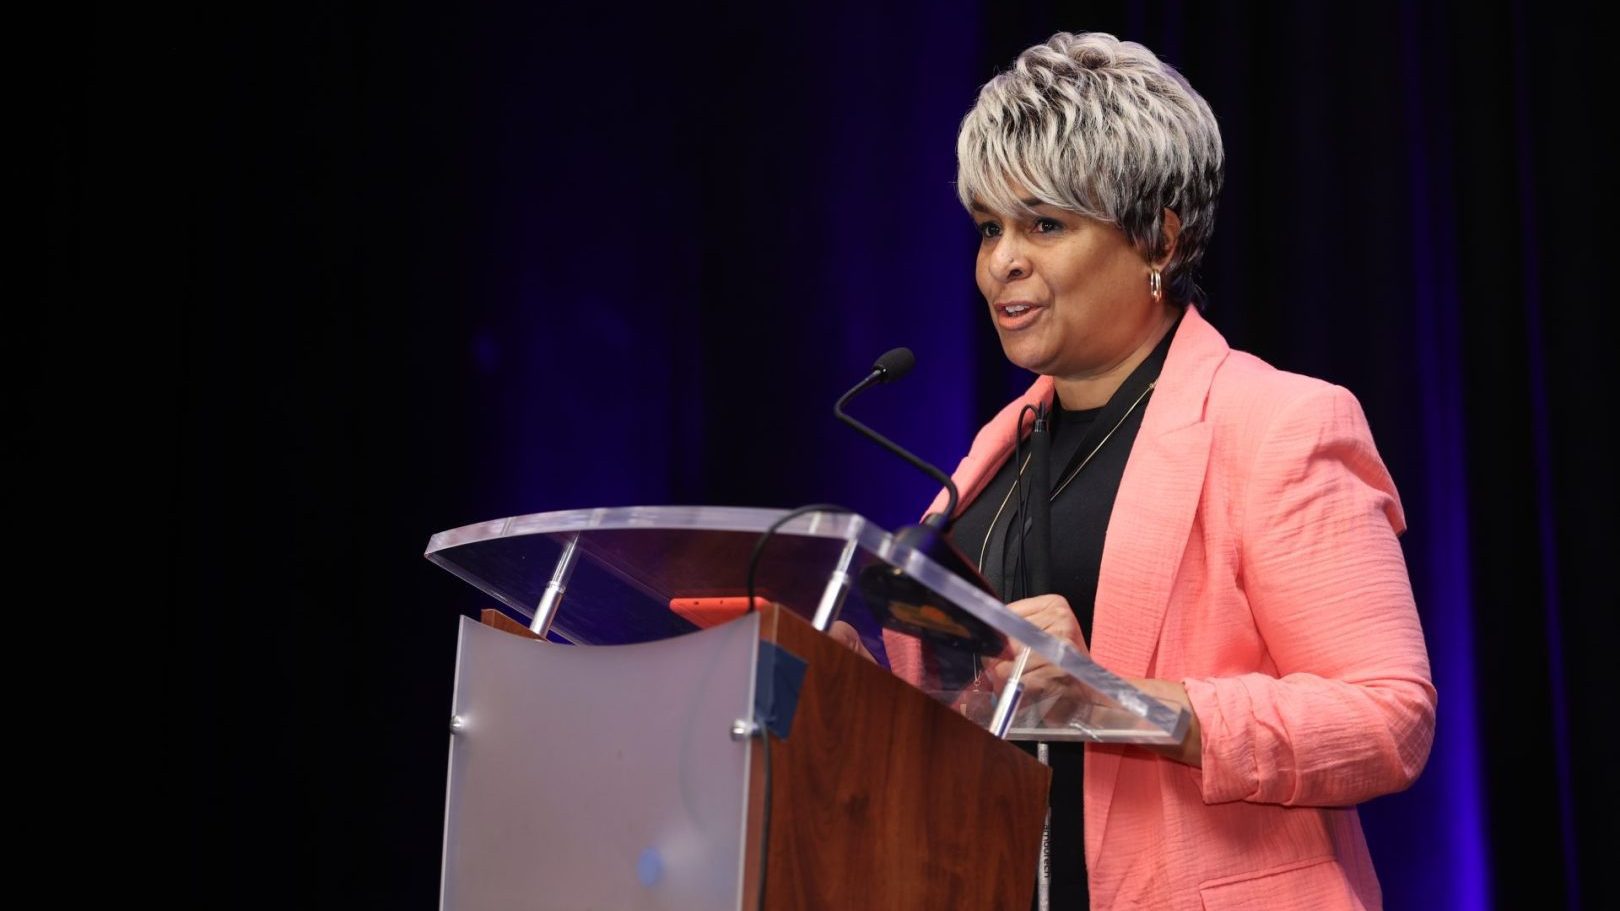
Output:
[[893, 365]]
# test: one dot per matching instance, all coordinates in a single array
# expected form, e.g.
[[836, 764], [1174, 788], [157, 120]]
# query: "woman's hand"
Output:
[[1055, 618], [1190, 750], [845, 635]]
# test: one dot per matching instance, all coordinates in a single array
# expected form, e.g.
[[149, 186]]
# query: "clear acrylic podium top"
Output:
[[636, 574]]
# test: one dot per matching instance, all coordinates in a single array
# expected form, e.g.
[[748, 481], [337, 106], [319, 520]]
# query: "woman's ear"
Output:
[[1170, 232]]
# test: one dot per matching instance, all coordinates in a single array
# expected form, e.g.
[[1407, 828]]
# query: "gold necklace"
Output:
[[1065, 483]]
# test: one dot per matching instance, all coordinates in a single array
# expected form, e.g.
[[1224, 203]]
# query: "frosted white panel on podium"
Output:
[[598, 777]]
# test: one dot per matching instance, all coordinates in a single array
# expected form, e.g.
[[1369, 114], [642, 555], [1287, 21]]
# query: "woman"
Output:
[[1223, 533]]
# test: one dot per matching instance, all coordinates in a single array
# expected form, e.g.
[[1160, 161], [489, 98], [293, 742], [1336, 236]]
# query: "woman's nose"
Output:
[[1010, 261]]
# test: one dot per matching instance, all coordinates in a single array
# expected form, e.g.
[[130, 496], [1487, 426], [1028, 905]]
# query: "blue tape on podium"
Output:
[[776, 695]]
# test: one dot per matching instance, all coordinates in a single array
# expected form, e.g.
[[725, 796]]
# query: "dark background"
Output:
[[354, 273]]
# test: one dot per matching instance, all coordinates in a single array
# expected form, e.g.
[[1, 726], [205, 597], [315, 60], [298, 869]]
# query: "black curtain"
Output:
[[322, 280]]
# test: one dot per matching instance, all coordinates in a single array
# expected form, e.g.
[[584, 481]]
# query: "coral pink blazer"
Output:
[[1251, 555]]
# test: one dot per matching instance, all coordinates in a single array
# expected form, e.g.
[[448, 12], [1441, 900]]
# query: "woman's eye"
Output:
[[989, 229], [1047, 225]]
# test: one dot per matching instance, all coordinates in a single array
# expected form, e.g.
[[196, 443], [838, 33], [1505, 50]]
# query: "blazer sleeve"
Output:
[[1350, 713]]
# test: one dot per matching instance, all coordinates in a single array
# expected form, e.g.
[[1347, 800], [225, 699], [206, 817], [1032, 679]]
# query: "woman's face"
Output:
[[1069, 296]]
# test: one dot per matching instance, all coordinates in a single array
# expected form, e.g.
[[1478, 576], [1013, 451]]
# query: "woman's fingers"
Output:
[[1053, 615], [846, 635]]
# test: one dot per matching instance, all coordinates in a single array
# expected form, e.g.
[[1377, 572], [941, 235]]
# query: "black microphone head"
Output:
[[894, 364]]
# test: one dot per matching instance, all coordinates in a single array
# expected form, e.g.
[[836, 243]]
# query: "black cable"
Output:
[[759, 545], [1022, 516], [764, 730], [765, 833], [1038, 524]]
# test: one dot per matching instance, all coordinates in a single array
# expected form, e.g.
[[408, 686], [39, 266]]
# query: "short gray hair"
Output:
[[1102, 127]]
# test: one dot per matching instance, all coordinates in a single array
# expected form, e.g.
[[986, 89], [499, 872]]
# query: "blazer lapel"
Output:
[[1158, 496], [1147, 533], [1144, 545]]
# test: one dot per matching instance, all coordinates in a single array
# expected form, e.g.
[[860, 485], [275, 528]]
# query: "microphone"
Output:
[[900, 601], [894, 364]]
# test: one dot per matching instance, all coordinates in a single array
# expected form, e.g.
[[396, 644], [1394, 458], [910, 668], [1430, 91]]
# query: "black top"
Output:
[[1079, 522]]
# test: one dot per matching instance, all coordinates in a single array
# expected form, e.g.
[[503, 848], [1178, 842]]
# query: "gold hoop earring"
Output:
[[1156, 285]]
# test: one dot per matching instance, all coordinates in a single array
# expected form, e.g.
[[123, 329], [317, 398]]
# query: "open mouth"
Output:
[[1017, 315]]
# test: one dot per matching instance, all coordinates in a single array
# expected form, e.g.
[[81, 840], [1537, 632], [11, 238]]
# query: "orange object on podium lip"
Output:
[[707, 612]]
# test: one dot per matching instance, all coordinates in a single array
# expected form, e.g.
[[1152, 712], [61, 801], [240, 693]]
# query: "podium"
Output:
[[626, 735]]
